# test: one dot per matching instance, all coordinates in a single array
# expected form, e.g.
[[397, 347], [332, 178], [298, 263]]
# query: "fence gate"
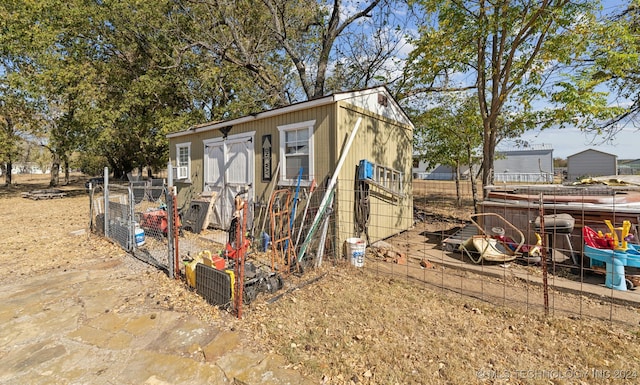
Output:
[[138, 217]]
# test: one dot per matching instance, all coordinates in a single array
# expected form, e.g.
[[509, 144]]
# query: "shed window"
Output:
[[296, 152], [183, 161]]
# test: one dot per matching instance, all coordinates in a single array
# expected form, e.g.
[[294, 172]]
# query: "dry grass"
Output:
[[350, 326], [355, 327]]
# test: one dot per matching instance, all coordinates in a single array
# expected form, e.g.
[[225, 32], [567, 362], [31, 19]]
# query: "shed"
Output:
[[524, 166], [629, 167], [244, 153], [591, 163]]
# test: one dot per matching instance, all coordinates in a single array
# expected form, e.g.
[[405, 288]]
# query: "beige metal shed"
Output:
[[226, 157]]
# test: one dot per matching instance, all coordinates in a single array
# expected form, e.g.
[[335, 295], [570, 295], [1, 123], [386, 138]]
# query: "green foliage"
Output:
[[514, 54], [447, 134]]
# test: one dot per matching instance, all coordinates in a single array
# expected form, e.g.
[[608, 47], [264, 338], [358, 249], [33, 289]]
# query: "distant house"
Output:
[[27, 168], [629, 167], [419, 168], [591, 163], [439, 172], [527, 166]]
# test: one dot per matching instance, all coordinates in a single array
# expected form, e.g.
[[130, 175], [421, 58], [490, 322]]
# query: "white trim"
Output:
[[186, 145], [341, 96], [223, 186], [310, 126]]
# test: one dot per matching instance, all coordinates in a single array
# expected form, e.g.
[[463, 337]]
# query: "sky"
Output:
[[569, 141]]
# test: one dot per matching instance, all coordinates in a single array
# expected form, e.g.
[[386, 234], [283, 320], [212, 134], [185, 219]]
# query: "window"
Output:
[[183, 161], [385, 178], [296, 152]]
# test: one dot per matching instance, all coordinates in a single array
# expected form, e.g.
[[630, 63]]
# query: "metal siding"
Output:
[[590, 163], [524, 166], [384, 143]]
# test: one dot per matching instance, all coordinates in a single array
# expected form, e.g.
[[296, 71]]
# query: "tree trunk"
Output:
[[7, 175], [474, 184], [55, 171], [488, 154], [66, 173]]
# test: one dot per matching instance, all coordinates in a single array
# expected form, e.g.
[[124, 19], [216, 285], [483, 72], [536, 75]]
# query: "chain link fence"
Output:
[[138, 217]]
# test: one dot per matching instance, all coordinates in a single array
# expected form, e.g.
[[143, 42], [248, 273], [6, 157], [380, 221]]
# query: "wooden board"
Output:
[[44, 194], [196, 219]]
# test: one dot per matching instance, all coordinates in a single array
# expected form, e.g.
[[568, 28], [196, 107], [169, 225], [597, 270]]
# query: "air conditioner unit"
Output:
[[181, 172]]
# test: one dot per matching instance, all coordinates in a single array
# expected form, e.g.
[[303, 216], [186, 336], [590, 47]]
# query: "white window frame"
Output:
[[309, 125], [180, 146]]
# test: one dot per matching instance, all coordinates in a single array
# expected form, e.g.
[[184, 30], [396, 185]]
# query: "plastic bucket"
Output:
[[355, 251], [139, 235]]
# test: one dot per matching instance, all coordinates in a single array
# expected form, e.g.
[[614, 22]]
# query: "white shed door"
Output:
[[229, 168]]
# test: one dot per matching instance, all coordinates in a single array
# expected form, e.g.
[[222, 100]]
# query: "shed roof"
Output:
[[591, 150], [526, 152], [358, 98]]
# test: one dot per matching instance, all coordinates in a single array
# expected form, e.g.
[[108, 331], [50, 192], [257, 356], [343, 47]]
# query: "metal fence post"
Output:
[[130, 220], [170, 234], [105, 192]]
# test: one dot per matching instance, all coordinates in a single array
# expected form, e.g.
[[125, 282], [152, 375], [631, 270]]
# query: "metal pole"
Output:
[[130, 221], [176, 234], [105, 191], [170, 238], [543, 249], [240, 256]]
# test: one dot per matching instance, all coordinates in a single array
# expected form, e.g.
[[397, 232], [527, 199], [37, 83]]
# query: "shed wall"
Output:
[[590, 163], [323, 115], [379, 140], [383, 142]]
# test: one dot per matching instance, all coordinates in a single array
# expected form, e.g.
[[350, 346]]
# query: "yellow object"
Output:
[[204, 254], [232, 275], [537, 249], [620, 243], [190, 267], [190, 272]]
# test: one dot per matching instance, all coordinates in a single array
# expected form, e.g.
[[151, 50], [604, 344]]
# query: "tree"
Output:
[[285, 49], [613, 61], [513, 53], [451, 134], [20, 40]]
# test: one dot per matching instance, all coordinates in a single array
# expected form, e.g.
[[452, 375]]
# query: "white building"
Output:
[[526, 166]]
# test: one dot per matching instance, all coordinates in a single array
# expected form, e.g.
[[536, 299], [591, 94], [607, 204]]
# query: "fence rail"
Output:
[[436, 250], [136, 216]]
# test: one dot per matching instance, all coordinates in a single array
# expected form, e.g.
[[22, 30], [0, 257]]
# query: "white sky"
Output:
[[569, 141]]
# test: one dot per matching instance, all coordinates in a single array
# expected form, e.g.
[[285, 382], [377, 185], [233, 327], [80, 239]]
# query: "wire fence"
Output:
[[137, 216], [546, 249], [526, 248]]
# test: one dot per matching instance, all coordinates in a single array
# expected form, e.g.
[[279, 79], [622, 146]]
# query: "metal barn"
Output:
[[591, 163]]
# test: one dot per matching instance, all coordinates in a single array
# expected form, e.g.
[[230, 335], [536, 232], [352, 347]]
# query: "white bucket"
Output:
[[139, 235], [355, 251]]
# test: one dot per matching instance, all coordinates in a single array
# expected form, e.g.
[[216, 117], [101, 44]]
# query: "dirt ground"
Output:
[[349, 326]]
